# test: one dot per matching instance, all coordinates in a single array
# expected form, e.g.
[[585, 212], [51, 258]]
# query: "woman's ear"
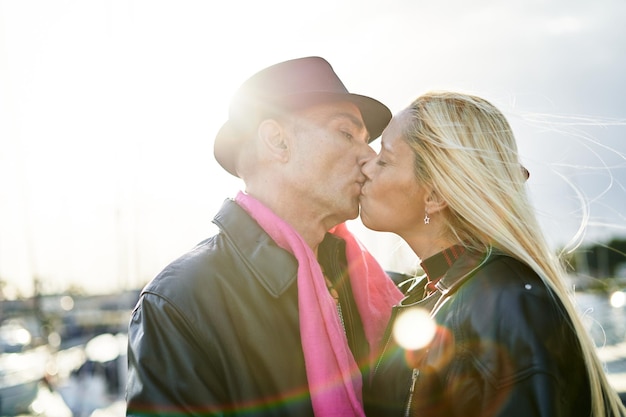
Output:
[[273, 139], [433, 202]]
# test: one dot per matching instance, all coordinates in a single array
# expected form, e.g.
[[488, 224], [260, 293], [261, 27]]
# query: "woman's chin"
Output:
[[368, 221]]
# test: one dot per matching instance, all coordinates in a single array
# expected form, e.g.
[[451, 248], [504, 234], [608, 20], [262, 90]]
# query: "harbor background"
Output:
[[84, 372]]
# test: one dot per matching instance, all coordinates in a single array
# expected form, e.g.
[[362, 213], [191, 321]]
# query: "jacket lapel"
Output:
[[275, 268]]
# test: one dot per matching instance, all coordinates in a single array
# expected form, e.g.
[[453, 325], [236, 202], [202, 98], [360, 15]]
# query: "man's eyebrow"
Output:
[[355, 120]]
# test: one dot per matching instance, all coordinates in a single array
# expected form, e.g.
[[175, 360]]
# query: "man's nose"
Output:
[[366, 155], [367, 165]]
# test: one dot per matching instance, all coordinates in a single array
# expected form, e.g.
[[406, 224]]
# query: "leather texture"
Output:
[[503, 347], [217, 331]]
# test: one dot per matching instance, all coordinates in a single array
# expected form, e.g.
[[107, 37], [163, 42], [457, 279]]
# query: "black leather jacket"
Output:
[[503, 348], [217, 332]]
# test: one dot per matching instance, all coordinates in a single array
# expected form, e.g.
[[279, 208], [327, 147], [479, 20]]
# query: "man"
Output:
[[274, 315]]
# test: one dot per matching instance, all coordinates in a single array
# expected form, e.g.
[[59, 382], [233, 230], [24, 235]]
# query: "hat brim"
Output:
[[229, 140]]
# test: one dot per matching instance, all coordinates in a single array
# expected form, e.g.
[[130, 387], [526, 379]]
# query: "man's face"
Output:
[[330, 144]]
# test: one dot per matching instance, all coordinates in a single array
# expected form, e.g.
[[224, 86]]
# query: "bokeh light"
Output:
[[414, 328], [618, 299]]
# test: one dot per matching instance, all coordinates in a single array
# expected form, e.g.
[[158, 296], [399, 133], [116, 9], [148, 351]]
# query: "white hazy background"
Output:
[[108, 111]]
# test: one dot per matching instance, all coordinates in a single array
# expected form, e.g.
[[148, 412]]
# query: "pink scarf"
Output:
[[332, 373]]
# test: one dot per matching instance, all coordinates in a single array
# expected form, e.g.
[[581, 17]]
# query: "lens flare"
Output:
[[414, 328]]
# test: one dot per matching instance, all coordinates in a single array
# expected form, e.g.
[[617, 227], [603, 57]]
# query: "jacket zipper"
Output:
[[415, 373], [407, 410]]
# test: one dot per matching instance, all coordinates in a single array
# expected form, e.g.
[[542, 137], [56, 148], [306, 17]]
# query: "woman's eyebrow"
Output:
[[384, 146]]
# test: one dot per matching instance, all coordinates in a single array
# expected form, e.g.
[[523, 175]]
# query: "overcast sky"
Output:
[[108, 111]]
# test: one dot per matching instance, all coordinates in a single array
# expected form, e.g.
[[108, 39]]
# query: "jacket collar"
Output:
[[463, 269], [256, 249]]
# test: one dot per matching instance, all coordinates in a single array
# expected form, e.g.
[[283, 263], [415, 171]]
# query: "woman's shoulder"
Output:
[[509, 298], [504, 273], [517, 317]]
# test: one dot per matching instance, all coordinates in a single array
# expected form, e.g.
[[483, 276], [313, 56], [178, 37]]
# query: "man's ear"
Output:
[[433, 202], [273, 139]]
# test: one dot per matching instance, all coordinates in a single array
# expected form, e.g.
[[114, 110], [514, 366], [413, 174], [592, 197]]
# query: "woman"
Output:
[[508, 339]]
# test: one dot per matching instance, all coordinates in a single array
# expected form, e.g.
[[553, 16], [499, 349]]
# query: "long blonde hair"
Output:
[[466, 151]]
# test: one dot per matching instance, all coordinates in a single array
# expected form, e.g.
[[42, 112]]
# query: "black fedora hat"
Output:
[[286, 86]]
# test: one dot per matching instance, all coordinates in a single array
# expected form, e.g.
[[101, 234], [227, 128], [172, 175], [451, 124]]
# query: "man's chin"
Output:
[[352, 214]]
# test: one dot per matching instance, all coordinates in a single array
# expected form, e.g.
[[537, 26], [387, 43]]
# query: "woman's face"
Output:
[[391, 199]]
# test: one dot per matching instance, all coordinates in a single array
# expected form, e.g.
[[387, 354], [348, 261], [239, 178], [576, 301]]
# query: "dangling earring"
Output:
[[426, 218]]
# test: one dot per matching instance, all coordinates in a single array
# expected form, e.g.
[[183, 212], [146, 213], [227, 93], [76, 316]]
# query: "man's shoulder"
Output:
[[241, 256], [188, 270], [211, 259]]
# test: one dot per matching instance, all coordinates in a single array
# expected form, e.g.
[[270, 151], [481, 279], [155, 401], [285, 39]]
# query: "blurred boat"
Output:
[[98, 384], [22, 368]]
